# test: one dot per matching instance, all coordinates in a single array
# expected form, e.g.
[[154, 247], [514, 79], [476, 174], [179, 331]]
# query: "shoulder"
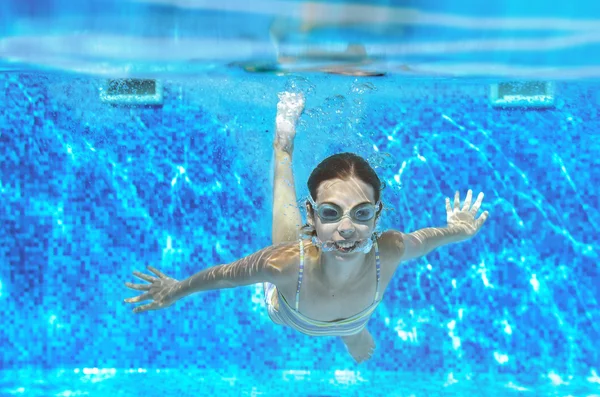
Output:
[[391, 244], [284, 261]]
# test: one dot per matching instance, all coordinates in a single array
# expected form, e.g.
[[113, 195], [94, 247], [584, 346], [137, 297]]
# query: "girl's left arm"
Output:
[[462, 225]]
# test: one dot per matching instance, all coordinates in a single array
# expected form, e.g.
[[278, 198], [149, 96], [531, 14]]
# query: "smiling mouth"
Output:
[[345, 247]]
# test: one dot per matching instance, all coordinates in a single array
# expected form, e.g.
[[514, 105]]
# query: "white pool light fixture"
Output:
[[132, 91], [523, 94]]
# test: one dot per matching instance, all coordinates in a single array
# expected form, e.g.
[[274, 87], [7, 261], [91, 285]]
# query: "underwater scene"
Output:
[[267, 198]]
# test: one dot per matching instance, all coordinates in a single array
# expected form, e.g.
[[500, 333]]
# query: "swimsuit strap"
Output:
[[378, 265], [300, 273]]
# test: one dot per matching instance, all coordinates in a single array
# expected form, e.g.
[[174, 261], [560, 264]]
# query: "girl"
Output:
[[329, 281]]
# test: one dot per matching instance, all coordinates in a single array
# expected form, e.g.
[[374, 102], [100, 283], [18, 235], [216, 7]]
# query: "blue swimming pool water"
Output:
[[91, 192], [185, 37]]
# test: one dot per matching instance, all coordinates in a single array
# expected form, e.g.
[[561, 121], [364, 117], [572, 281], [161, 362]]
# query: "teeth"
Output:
[[345, 245]]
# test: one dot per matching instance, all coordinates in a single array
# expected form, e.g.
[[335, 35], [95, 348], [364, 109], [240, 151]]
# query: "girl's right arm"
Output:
[[273, 264]]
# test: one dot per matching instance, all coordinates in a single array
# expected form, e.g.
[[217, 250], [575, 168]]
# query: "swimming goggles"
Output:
[[331, 213]]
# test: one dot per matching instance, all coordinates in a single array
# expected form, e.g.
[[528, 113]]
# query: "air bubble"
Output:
[[299, 85], [381, 160], [361, 88]]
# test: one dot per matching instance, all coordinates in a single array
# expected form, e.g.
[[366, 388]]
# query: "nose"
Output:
[[346, 228]]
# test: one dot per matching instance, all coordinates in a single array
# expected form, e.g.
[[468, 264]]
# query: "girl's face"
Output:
[[347, 233]]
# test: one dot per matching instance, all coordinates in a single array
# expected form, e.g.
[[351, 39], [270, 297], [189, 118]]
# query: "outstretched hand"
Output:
[[464, 218], [290, 105], [162, 290], [289, 108]]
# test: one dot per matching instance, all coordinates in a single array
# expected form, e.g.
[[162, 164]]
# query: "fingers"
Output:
[[290, 97], [448, 208], [145, 308], [285, 95], [467, 203], [477, 204], [139, 287], [467, 207], [143, 297], [482, 219], [157, 272], [457, 201], [144, 277], [290, 104]]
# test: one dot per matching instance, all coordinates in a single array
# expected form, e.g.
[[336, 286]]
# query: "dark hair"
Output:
[[341, 166]]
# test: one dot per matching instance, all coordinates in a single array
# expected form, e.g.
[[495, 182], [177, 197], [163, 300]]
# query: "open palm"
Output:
[[465, 218], [161, 290]]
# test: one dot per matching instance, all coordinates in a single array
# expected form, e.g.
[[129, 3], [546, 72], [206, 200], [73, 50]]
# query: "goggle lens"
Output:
[[361, 213]]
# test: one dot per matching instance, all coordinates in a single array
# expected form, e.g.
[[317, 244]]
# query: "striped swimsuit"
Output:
[[286, 315]]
